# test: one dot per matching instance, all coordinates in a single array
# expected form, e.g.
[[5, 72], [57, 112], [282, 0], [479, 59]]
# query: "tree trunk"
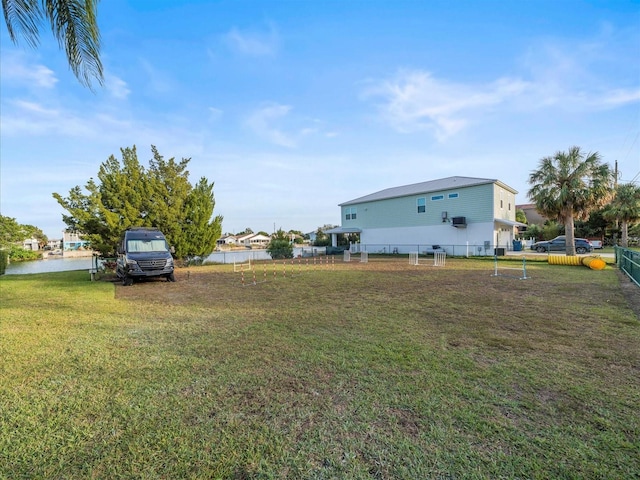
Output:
[[625, 234], [570, 247]]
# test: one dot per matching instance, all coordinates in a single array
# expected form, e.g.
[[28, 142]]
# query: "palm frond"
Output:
[[22, 18], [74, 24]]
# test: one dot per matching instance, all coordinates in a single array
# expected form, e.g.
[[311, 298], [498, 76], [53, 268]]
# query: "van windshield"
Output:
[[158, 245]]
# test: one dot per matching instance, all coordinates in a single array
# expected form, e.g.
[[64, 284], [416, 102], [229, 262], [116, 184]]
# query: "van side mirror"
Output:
[[172, 249]]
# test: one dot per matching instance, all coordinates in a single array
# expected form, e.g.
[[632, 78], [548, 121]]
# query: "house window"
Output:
[[453, 195], [437, 197], [422, 204], [351, 213]]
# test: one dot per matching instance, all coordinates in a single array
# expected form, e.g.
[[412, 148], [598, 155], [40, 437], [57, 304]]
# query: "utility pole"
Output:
[[615, 188]]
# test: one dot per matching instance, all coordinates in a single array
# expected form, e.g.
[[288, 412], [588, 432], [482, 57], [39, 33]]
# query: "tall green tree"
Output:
[[126, 195], [568, 186], [116, 201], [73, 23], [168, 186], [625, 208], [322, 239], [12, 232], [200, 233]]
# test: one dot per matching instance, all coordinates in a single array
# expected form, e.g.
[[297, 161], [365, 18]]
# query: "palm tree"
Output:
[[625, 208], [73, 23], [569, 186]]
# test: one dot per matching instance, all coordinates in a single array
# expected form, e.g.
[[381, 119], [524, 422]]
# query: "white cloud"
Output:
[[117, 87], [276, 123], [253, 43], [36, 108], [615, 98], [570, 76], [20, 117], [215, 114], [17, 68], [158, 81], [417, 101], [262, 122], [584, 75]]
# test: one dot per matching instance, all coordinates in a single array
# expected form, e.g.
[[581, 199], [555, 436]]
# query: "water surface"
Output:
[[58, 264]]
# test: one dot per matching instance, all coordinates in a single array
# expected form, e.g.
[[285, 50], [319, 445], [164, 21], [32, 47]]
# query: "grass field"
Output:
[[377, 370]]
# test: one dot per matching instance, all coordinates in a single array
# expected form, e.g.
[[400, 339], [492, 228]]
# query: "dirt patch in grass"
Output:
[[215, 285]]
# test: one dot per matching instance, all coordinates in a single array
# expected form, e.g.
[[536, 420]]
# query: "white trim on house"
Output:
[[343, 230], [511, 223]]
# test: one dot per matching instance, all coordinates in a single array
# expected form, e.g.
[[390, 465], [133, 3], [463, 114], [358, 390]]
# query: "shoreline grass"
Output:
[[355, 371]]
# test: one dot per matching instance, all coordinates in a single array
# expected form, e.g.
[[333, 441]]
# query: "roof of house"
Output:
[[246, 236], [258, 236], [426, 187], [344, 230]]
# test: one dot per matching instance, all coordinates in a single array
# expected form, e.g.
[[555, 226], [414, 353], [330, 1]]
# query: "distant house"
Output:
[[31, 244], [312, 236], [531, 212], [226, 240], [258, 241], [55, 244], [460, 214], [253, 240], [244, 239], [73, 241]]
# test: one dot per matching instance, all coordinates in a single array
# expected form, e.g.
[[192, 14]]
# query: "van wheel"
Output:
[[171, 277], [127, 281]]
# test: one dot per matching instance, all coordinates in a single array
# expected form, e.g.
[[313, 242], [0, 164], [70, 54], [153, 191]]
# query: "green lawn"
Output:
[[378, 370]]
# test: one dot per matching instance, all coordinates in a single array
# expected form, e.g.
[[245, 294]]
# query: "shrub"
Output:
[[280, 249], [19, 254], [4, 259], [280, 246]]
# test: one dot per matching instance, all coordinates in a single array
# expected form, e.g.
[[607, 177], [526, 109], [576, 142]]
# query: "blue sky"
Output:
[[292, 107]]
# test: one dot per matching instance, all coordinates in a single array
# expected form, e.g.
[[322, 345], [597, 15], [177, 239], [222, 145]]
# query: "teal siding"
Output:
[[507, 209], [476, 203]]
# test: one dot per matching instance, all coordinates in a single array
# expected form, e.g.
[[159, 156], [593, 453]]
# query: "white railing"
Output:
[[456, 250]]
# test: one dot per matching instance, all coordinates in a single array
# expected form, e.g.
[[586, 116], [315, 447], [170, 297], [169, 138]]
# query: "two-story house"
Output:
[[463, 215]]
